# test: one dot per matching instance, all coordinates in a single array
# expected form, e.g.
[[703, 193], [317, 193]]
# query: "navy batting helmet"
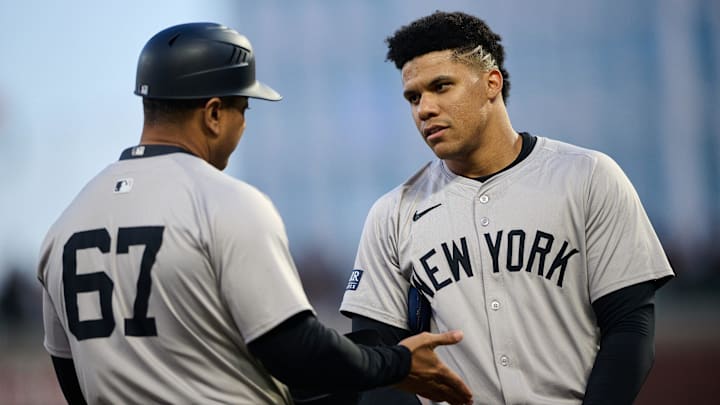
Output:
[[199, 60]]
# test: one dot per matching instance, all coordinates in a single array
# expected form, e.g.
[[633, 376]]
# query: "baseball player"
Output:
[[168, 281], [540, 250]]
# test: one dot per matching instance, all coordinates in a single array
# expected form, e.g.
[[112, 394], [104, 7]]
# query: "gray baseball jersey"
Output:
[[157, 276], [514, 262]]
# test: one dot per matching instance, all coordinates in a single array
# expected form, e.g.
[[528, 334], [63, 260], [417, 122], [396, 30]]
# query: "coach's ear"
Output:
[[211, 116]]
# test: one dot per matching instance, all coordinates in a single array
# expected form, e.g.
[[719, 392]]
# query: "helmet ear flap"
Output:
[[199, 60]]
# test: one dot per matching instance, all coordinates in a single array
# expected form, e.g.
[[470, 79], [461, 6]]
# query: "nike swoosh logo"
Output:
[[418, 215]]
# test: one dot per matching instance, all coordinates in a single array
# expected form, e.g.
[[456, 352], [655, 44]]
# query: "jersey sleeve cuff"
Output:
[[270, 324], [661, 277], [349, 309], [57, 352]]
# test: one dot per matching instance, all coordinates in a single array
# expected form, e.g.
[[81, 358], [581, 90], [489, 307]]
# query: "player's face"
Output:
[[231, 132], [449, 103]]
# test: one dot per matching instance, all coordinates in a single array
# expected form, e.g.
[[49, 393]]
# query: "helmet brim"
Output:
[[261, 91]]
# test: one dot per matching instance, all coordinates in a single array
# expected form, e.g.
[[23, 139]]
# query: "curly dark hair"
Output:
[[442, 31]]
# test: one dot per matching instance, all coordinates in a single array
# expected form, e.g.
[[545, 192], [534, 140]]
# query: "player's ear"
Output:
[[211, 115], [494, 83]]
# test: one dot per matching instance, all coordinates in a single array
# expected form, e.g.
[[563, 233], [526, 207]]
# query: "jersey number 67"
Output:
[[139, 324]]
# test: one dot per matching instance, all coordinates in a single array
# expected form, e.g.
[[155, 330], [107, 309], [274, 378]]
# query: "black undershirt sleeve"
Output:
[[388, 335], [626, 319], [304, 354], [67, 378]]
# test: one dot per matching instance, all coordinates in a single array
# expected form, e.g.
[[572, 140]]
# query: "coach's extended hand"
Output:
[[430, 377]]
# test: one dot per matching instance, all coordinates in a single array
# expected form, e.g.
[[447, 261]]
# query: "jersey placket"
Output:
[[497, 305]]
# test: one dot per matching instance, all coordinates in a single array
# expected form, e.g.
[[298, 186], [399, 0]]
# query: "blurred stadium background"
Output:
[[638, 80]]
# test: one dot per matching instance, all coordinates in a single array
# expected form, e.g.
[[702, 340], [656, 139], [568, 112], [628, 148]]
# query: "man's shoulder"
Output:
[[231, 192], [577, 161], [570, 153], [565, 147], [207, 181], [402, 196]]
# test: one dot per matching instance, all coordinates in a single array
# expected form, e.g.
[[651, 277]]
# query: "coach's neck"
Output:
[[189, 134]]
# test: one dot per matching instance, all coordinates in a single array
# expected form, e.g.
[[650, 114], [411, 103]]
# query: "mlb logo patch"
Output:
[[138, 151], [354, 281], [123, 185]]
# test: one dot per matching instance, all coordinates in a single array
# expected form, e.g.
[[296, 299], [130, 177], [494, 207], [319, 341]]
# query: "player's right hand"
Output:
[[429, 377]]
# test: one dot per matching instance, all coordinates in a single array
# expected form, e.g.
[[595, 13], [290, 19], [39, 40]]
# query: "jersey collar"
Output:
[[143, 151]]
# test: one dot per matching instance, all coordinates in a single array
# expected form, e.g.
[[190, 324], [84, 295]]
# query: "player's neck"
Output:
[[500, 146]]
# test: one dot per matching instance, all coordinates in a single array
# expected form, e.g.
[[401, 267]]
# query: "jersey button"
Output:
[[484, 221], [495, 305], [504, 361], [484, 199]]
